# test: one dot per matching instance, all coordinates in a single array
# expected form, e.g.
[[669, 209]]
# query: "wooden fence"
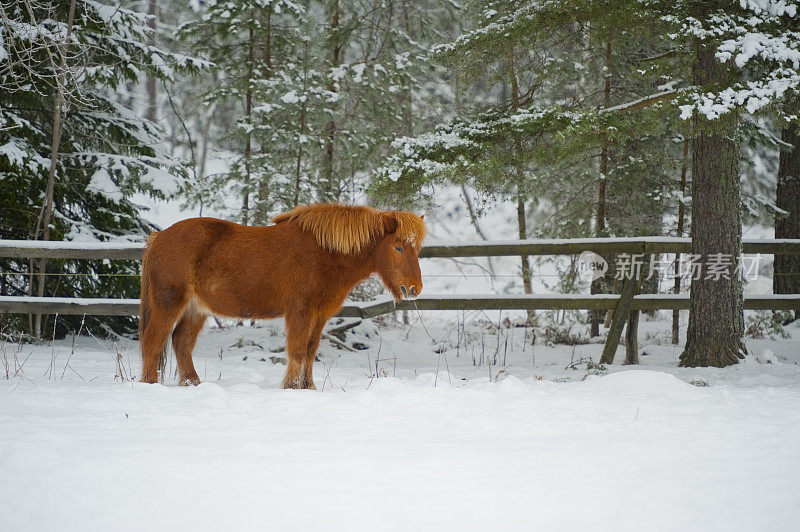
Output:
[[622, 304]]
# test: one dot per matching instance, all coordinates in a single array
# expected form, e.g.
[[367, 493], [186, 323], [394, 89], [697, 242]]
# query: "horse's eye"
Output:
[[399, 249]]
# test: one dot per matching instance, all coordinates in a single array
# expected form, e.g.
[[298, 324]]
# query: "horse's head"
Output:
[[397, 254]]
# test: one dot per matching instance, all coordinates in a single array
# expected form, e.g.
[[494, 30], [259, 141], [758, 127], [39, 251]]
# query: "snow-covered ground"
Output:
[[459, 424], [435, 439]]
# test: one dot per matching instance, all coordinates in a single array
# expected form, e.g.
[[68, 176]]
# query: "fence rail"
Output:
[[626, 305], [573, 246], [371, 309], [643, 245]]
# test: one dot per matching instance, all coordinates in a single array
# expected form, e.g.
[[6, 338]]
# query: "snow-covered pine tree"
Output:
[[542, 134], [328, 85], [294, 103], [68, 58], [745, 56], [717, 61], [257, 45], [786, 271]]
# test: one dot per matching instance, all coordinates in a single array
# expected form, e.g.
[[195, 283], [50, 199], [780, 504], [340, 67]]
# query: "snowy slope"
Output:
[[451, 424], [536, 447]]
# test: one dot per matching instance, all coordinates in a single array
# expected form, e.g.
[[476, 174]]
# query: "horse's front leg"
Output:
[[298, 330], [311, 353]]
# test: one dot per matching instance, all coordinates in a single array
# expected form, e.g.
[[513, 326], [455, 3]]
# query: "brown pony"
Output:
[[302, 268]]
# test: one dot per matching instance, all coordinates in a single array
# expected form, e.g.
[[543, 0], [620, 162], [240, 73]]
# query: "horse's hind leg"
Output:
[[154, 340], [183, 339], [297, 331]]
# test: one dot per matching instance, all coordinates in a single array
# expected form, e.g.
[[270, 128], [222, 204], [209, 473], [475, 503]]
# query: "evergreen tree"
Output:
[[786, 271], [321, 88], [745, 57], [548, 120], [248, 37], [715, 61], [71, 156], [716, 322]]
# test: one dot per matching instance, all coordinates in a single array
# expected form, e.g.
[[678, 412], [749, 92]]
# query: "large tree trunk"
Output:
[[329, 190], [248, 147], [676, 314], [264, 203], [786, 278], [408, 112], [204, 142], [152, 104], [521, 219], [58, 121], [298, 171], [716, 321], [598, 285], [526, 265]]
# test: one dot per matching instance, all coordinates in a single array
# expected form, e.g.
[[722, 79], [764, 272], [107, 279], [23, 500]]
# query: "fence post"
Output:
[[632, 338], [629, 288]]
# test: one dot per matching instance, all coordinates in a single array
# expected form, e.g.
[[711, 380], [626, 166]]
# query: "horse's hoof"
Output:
[[149, 380], [298, 384], [189, 381]]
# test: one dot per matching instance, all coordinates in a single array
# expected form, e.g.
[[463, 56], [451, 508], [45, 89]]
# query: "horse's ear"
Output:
[[422, 217], [389, 222]]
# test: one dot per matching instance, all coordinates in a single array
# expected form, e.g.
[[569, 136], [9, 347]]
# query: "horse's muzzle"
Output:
[[409, 293]]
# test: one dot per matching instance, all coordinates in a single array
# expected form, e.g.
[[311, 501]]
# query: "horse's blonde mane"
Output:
[[348, 228]]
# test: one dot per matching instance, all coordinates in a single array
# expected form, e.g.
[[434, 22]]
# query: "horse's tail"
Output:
[[144, 292], [144, 301]]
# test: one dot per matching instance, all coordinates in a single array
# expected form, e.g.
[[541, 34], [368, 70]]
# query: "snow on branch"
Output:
[[758, 37], [646, 101]]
